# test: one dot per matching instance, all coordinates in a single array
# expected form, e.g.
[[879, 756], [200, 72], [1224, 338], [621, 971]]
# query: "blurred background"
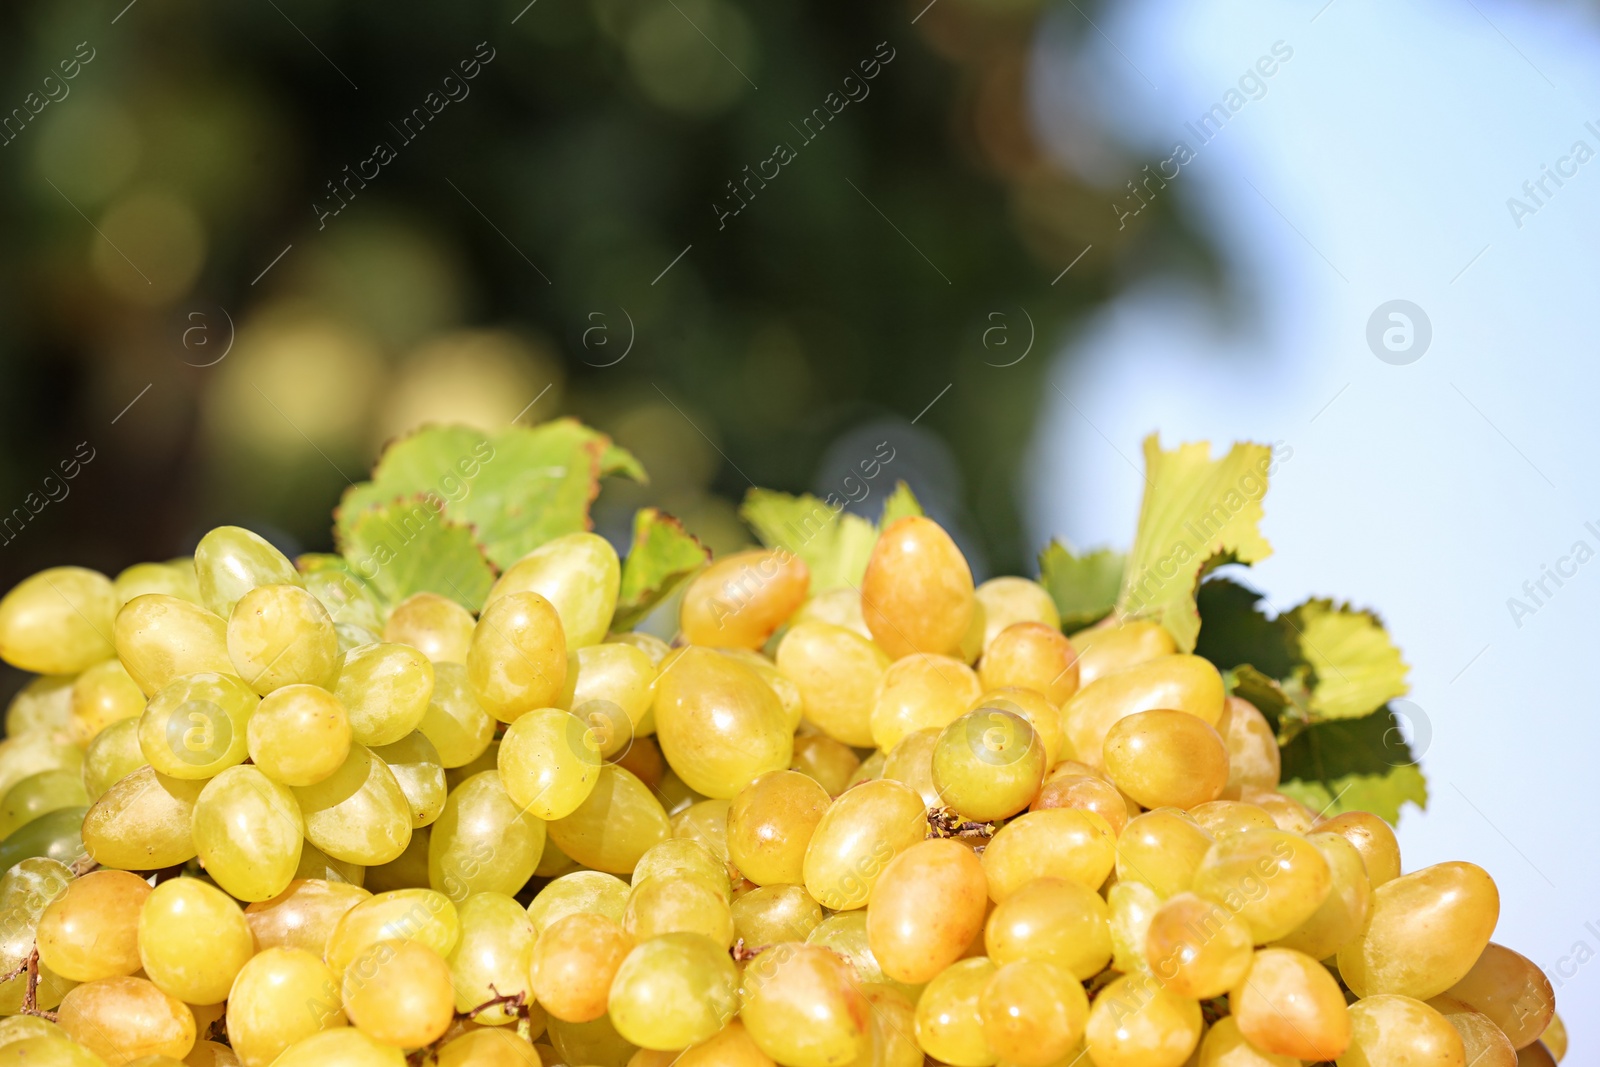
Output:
[[244, 245]]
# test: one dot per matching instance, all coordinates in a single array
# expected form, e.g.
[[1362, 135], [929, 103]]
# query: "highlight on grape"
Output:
[[516, 798]]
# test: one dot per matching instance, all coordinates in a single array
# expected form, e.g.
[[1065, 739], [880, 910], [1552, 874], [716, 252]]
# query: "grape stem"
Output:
[[515, 1003], [30, 993], [942, 822]]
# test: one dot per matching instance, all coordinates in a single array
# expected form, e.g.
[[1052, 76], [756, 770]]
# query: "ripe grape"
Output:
[[119, 1019], [299, 735], [1054, 843], [858, 835], [804, 1007], [578, 575], [740, 599], [90, 931], [917, 593], [1288, 1004], [280, 996], [773, 913], [230, 561], [193, 940], [838, 672], [281, 635], [718, 723], [434, 625], [1031, 655], [925, 908], [1052, 920], [358, 813], [58, 621], [674, 991], [1034, 1014], [918, 693], [988, 764], [249, 831], [1426, 931], [770, 823], [518, 658], [160, 638], [483, 842]]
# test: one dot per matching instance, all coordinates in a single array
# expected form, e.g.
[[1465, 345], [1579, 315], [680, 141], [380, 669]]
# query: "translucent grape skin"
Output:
[[609, 687], [40, 794], [418, 771], [1176, 682], [1426, 931], [1032, 655], [90, 931], [1225, 1046], [493, 956], [1254, 759], [579, 575], [119, 1019], [546, 764], [1034, 1014], [917, 593], [1165, 758], [770, 823], [248, 831], [399, 993], [281, 635], [988, 764], [386, 690], [58, 621], [434, 625], [1105, 649], [831, 764], [574, 963], [483, 842], [1344, 911], [269, 1001], [581, 892], [1511, 990], [1163, 849], [918, 693], [1055, 843], [859, 834], [1485, 1044], [804, 1007], [343, 1046], [674, 991], [925, 909], [615, 825], [193, 940], [718, 723], [1288, 1004], [838, 672], [773, 913], [1272, 879], [1136, 1023], [303, 916], [741, 599], [230, 561], [1197, 948], [358, 813], [453, 720], [142, 822], [160, 638], [195, 727], [421, 915], [1054, 921], [1372, 837], [518, 658], [299, 735], [102, 695], [1391, 1029], [1086, 793]]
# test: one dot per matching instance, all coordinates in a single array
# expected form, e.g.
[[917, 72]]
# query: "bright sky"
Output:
[[1376, 167]]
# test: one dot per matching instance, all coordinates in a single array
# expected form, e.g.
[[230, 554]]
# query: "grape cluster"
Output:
[[252, 815]]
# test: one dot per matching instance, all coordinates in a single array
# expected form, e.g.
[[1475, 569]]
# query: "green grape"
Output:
[[838, 672], [1163, 849], [949, 1021], [719, 725], [1289, 1005], [299, 735], [705, 822], [193, 940], [581, 892], [869, 770], [42, 706], [281, 635], [672, 904], [894, 1027], [386, 691], [770, 823], [1034, 1014], [230, 561], [1054, 843], [911, 762], [859, 834], [988, 764], [119, 1019], [573, 965], [111, 756], [434, 625], [454, 721], [1273, 879], [1174, 682], [1511, 991], [553, 862], [483, 842], [595, 1043], [1165, 758], [831, 764], [675, 796], [925, 909], [142, 823], [248, 830], [405, 914], [783, 687], [616, 824], [1426, 931], [282, 995], [28, 754], [1197, 948], [1053, 920], [1136, 1023], [90, 931], [1345, 909], [49, 1049], [58, 621], [493, 956], [578, 574], [399, 993], [775, 913], [1220, 818], [101, 695], [39, 794], [846, 935], [358, 813], [343, 1046], [673, 991], [1003, 601], [1132, 905], [352, 637], [518, 658], [549, 763], [1390, 1029], [195, 727], [160, 638], [348, 599], [174, 578], [487, 760], [614, 675], [679, 857], [26, 890], [315, 863], [415, 764], [304, 915], [20, 1027], [1224, 1046], [406, 871], [57, 835]]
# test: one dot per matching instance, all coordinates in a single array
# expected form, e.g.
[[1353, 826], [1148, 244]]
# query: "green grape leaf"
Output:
[[1284, 703], [1198, 513], [834, 544], [1354, 667], [1234, 629], [1083, 587], [517, 488], [663, 555], [411, 546], [1361, 764], [900, 503], [348, 596]]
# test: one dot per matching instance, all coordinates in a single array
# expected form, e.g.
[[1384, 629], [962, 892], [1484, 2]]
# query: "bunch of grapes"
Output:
[[251, 816]]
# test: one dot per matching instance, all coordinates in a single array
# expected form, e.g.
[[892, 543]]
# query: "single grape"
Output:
[[547, 762], [574, 962], [58, 621], [281, 635], [719, 725], [1254, 760], [1055, 843], [1290, 1005], [1197, 948], [193, 940], [773, 913], [160, 638], [1426, 931], [281, 996], [1511, 990], [299, 735], [1390, 1029], [493, 956], [399, 993], [434, 625], [420, 915], [616, 824], [174, 578], [858, 835], [1273, 879], [416, 767], [1052, 920], [674, 991], [1164, 758], [1372, 837], [454, 720], [918, 693], [831, 764], [142, 822], [917, 592], [90, 931], [386, 691], [804, 1007], [195, 727], [343, 1046], [925, 909], [1134, 1022], [249, 831], [1163, 849], [1111, 646], [770, 823], [1031, 655], [1006, 600], [103, 694], [358, 813], [119, 1019], [838, 672], [518, 658], [578, 574], [1034, 1013], [581, 892], [949, 1019], [483, 842], [1176, 682], [304, 915], [39, 794]]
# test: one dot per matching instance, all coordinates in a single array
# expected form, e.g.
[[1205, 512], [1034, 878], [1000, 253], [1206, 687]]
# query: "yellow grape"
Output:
[[399, 993], [615, 825], [1290, 1005], [846, 935], [925, 909], [681, 858], [111, 756], [859, 834], [667, 904], [1055, 843], [193, 940], [1197, 948], [919, 692], [783, 687], [56, 834], [645, 761], [1040, 713], [518, 658], [949, 1022], [120, 1019], [1134, 1022], [770, 823], [1223, 817], [40, 794], [841, 607], [548, 762], [26, 889], [988, 764], [1031, 655], [483, 842], [90, 930], [315, 863], [31, 753], [1164, 758], [434, 625], [386, 691], [43, 706], [1052, 920], [1007, 600], [142, 822], [230, 561], [596, 1043], [1110, 647], [674, 991], [249, 831], [103, 694], [649, 644], [610, 687], [1176, 682], [1555, 1037], [579, 893], [404, 914], [718, 723], [299, 735], [578, 574], [304, 915], [58, 621], [416, 767], [1372, 837], [1132, 906], [490, 1047], [21, 1027], [1034, 1013], [804, 1007], [831, 764], [1390, 1031], [1272, 879], [1224, 1046], [195, 727], [838, 672], [343, 1046], [1426, 931], [871, 768], [911, 763], [731, 1046], [1485, 1044], [1254, 759], [917, 593], [739, 600], [1511, 990], [160, 638], [358, 813], [174, 578], [573, 963], [453, 720], [773, 913], [280, 996], [1084, 792], [281, 635], [493, 955], [1287, 813], [1344, 912]]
